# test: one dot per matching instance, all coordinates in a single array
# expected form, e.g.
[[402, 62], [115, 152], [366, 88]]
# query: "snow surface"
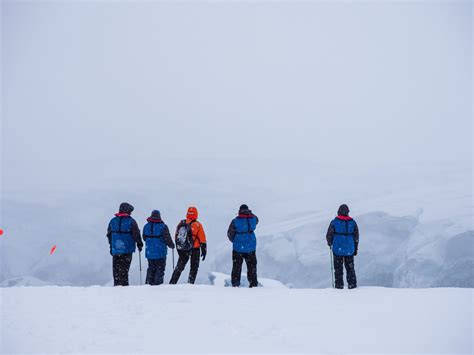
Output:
[[201, 318], [222, 280]]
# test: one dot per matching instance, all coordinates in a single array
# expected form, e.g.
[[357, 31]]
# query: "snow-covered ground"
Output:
[[212, 319], [222, 280]]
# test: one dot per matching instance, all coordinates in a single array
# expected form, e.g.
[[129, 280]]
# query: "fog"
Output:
[[292, 107], [367, 81]]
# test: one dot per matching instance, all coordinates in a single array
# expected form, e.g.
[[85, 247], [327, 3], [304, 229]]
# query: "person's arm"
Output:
[[356, 238], [256, 218], [109, 234], [231, 232], [201, 235], [136, 235], [167, 237], [109, 237], [330, 234]]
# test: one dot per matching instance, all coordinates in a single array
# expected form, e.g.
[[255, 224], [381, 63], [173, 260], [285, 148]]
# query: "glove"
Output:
[[356, 250], [140, 246], [203, 251]]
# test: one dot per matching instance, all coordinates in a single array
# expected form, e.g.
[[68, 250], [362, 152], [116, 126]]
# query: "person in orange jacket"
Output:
[[190, 244]]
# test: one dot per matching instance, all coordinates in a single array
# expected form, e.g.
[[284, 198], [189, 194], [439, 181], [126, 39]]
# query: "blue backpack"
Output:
[[245, 240], [122, 240], [343, 243], [156, 247]]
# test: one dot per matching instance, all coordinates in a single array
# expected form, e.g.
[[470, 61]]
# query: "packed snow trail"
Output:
[[202, 318]]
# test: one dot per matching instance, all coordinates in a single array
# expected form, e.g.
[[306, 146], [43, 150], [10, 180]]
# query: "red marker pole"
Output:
[[1, 231], [40, 263]]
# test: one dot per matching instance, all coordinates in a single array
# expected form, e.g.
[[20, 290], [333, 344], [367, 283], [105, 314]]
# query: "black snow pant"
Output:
[[156, 271], [184, 256], [121, 266], [251, 261], [348, 262]]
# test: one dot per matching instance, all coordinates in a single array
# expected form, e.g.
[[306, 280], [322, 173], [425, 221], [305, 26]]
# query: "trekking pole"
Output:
[[140, 263], [332, 266], [173, 258]]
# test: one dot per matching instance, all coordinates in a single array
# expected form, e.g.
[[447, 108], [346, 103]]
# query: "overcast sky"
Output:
[[365, 81]]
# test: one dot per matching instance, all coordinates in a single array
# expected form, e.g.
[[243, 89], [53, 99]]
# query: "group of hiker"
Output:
[[124, 238]]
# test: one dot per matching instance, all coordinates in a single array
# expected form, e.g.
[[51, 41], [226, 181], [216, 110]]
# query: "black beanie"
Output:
[[244, 209], [155, 214], [343, 210], [125, 207]]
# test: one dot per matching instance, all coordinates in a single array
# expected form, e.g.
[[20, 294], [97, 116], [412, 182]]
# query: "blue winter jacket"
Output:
[[122, 241], [343, 235], [156, 245], [242, 233]]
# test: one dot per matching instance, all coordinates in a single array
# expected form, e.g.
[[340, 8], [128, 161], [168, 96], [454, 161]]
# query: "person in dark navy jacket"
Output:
[[157, 241], [343, 239], [124, 237], [241, 233]]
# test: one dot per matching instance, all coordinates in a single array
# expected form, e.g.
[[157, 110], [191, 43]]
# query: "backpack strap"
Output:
[[120, 231], [249, 230], [248, 226]]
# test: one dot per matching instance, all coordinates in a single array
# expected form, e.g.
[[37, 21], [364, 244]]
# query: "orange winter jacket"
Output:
[[196, 228]]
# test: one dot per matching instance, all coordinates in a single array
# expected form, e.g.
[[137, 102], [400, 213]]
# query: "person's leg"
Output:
[[160, 271], [339, 271], [350, 272], [237, 259], [115, 269], [126, 262], [195, 258], [251, 261], [182, 261], [150, 273]]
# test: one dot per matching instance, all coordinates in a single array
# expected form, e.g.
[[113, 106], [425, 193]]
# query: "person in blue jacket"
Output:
[[241, 233], [124, 237], [343, 239], [157, 241]]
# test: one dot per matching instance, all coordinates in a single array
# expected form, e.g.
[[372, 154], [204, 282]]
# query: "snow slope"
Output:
[[202, 318]]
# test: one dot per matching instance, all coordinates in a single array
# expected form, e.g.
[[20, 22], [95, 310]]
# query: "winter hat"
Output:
[[192, 213], [125, 207], [343, 210], [155, 214], [244, 209]]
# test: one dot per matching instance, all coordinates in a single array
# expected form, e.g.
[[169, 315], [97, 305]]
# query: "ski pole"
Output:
[[140, 263], [173, 258], [332, 266]]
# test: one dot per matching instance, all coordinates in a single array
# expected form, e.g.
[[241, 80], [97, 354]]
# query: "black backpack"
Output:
[[184, 236]]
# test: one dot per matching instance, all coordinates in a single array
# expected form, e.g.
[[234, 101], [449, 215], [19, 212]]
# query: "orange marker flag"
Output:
[[53, 249], [1, 231]]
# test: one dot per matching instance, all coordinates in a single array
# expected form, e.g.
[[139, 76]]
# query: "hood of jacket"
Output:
[[192, 214]]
